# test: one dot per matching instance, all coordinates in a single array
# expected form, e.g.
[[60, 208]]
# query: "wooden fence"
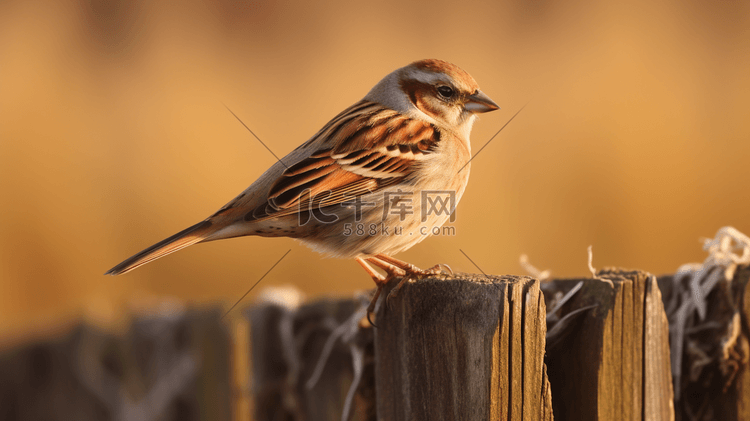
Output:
[[621, 345]]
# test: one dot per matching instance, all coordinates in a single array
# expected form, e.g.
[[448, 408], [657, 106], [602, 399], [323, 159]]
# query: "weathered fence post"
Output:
[[738, 398], [464, 347], [172, 364], [447, 347], [311, 362], [712, 354], [614, 362]]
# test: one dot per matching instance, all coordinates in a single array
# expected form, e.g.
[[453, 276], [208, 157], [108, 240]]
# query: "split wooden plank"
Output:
[[463, 347], [614, 362]]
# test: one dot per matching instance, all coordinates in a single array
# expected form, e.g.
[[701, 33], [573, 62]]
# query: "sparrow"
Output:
[[355, 189]]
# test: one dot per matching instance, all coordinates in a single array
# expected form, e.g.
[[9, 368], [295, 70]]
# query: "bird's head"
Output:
[[435, 91]]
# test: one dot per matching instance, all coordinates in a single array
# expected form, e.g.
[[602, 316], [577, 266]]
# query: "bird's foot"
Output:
[[380, 281], [410, 272], [395, 268]]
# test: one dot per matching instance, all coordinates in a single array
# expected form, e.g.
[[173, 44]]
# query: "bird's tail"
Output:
[[187, 237]]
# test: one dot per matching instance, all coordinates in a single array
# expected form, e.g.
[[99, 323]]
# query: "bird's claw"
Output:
[[393, 293], [373, 304], [439, 269]]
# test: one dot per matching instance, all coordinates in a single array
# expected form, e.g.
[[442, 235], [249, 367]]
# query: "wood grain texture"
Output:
[[657, 376], [615, 364], [466, 347]]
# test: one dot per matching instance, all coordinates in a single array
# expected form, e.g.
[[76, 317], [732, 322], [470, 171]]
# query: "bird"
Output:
[[360, 187]]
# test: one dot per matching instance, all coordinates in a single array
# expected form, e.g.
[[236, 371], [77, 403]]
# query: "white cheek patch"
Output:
[[465, 125]]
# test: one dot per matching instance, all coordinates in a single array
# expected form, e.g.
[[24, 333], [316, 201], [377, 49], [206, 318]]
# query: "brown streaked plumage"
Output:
[[410, 133]]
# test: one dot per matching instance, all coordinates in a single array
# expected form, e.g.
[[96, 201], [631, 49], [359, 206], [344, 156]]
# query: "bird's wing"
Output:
[[363, 149]]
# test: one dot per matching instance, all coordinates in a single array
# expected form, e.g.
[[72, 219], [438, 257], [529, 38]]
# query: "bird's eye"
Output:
[[445, 91]]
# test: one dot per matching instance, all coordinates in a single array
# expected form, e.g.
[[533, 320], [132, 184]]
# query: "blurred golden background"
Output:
[[113, 136]]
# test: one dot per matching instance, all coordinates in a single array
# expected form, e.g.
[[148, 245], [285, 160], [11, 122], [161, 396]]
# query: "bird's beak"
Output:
[[480, 103]]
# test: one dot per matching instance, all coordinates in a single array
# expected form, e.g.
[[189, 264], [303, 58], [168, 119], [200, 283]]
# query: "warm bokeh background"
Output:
[[113, 136]]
